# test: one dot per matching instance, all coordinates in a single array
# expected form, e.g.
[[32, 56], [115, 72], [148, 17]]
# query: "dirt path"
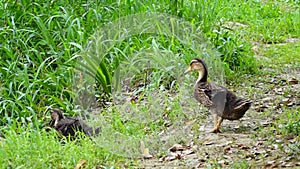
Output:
[[256, 140]]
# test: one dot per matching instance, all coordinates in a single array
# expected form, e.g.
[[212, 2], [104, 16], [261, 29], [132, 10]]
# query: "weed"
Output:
[[41, 43]]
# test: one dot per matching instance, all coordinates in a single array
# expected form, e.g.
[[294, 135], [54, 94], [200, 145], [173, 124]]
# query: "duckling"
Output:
[[217, 98], [68, 126]]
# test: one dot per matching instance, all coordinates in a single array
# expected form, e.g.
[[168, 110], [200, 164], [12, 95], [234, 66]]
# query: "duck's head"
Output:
[[200, 66], [56, 115]]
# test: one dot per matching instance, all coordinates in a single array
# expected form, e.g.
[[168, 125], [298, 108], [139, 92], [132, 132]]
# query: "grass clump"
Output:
[[42, 41], [32, 149], [49, 40]]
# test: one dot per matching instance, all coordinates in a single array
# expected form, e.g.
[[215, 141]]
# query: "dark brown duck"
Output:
[[69, 126], [218, 99]]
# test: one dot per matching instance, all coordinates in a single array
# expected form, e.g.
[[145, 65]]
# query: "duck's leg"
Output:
[[219, 124], [216, 124]]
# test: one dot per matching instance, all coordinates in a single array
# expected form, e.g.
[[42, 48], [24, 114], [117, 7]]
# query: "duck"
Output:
[[69, 126], [218, 99]]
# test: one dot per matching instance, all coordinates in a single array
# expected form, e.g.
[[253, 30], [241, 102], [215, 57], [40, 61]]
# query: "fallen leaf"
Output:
[[145, 151], [265, 123], [258, 152], [189, 122], [177, 147], [208, 142], [178, 156], [226, 149], [80, 164], [261, 108], [285, 164], [187, 152], [260, 139], [287, 102], [227, 157], [259, 143], [275, 146], [200, 165], [222, 162], [243, 147], [171, 156], [293, 81], [177, 151], [163, 158], [278, 91], [147, 154], [290, 138], [288, 158], [271, 164]]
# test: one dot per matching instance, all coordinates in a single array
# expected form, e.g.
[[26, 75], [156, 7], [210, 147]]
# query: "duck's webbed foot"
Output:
[[215, 130], [217, 124]]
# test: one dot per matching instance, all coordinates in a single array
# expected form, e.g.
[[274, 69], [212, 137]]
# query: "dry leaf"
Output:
[[226, 149], [257, 152], [259, 143], [177, 151], [200, 165], [285, 164], [261, 108], [178, 156], [208, 142], [287, 102], [222, 162], [243, 147], [80, 164], [163, 158], [265, 123], [146, 154], [271, 164], [275, 146], [293, 81], [145, 151], [261, 139], [187, 152], [176, 147], [278, 91], [189, 122], [170, 157]]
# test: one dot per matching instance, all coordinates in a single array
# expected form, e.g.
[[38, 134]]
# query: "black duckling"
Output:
[[218, 99], [68, 126]]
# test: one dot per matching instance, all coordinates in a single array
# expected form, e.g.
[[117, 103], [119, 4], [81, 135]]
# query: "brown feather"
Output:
[[218, 98], [68, 126]]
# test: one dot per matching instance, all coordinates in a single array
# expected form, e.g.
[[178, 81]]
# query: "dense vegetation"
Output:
[[41, 41]]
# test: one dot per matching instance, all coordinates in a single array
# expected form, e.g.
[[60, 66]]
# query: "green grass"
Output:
[[41, 43], [284, 55], [40, 149]]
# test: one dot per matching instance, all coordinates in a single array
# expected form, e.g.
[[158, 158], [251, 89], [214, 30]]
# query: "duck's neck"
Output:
[[56, 121], [202, 77]]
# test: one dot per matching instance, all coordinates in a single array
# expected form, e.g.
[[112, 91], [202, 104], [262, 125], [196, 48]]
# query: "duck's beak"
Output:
[[188, 70]]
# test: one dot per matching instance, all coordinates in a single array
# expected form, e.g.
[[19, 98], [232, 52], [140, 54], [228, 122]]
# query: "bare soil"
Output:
[[256, 140]]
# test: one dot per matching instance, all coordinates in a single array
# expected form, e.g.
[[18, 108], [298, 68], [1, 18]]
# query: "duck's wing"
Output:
[[218, 97], [211, 95], [202, 94], [67, 121], [68, 126], [89, 131], [241, 105]]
